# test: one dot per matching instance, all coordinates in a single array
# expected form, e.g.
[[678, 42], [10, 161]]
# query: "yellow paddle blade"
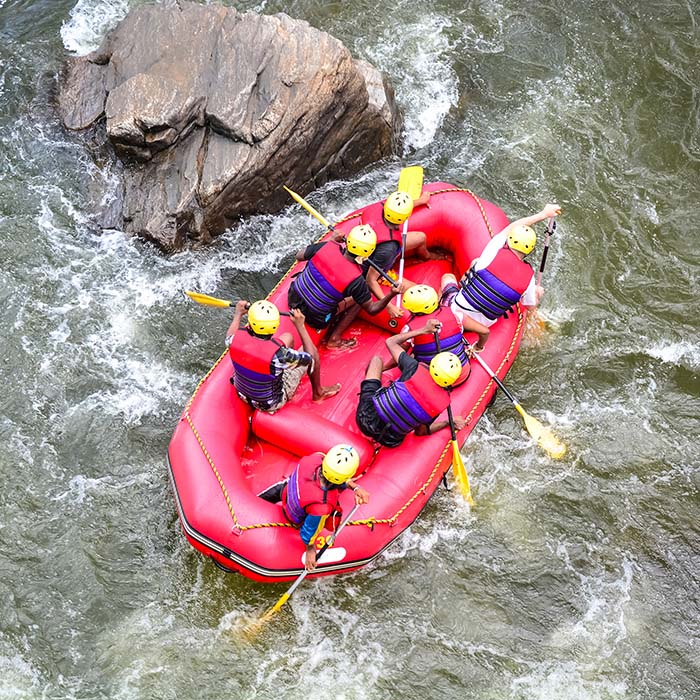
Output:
[[543, 436], [411, 181], [460, 473], [297, 198], [207, 300], [255, 626]]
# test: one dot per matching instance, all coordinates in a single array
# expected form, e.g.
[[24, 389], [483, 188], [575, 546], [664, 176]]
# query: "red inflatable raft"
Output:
[[223, 453]]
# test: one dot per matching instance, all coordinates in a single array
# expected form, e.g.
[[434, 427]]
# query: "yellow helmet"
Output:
[[445, 368], [421, 299], [398, 207], [340, 464], [523, 239], [362, 240], [263, 317]]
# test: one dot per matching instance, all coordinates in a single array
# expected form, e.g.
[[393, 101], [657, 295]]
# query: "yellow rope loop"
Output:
[[243, 528], [222, 486]]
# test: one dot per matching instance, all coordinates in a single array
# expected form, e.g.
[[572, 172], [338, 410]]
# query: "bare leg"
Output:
[[374, 368], [416, 244], [335, 340], [319, 392], [468, 323]]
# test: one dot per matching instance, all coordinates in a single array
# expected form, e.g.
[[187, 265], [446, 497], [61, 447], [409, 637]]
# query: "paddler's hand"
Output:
[[361, 496], [539, 293], [394, 311], [551, 210], [310, 558], [459, 422], [297, 318], [242, 306], [432, 325]]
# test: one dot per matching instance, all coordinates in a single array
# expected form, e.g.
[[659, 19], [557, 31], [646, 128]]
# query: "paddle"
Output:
[[360, 260], [551, 227], [541, 434], [460, 471], [213, 301], [256, 624], [298, 198], [410, 182]]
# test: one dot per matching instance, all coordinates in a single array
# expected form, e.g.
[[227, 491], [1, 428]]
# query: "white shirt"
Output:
[[528, 298]]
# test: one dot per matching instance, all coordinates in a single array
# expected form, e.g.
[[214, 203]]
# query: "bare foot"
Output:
[[326, 392], [341, 343]]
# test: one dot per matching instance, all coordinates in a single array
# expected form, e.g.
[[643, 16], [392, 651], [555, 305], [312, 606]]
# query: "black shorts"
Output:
[[369, 421]]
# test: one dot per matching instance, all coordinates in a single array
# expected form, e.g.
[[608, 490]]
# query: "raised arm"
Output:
[[241, 308], [394, 344], [549, 211]]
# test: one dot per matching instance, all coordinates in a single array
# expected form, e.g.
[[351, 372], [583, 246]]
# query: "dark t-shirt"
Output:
[[408, 366], [384, 255]]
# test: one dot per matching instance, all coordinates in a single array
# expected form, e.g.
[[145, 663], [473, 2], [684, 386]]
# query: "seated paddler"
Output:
[[414, 401], [423, 303], [331, 289], [266, 368], [500, 277], [311, 495]]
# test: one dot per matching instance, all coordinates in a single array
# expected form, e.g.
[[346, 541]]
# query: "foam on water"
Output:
[[18, 678], [682, 353], [89, 21], [428, 88]]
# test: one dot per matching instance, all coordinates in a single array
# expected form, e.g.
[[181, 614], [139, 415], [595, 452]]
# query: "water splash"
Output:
[[89, 21]]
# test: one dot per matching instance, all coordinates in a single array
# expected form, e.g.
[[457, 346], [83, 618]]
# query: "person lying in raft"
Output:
[[311, 495], [499, 278], [396, 210], [422, 301], [412, 402], [332, 286], [266, 369]]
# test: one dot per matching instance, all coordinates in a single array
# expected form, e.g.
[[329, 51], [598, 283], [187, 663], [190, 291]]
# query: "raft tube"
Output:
[[223, 453]]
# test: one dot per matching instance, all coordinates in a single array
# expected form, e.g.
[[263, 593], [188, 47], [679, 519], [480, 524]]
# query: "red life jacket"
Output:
[[324, 279], [497, 288], [252, 376], [303, 495], [374, 216], [406, 405], [424, 346]]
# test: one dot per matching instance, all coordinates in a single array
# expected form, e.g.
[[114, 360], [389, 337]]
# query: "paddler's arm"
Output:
[[394, 344], [436, 425], [549, 211], [241, 308], [361, 496]]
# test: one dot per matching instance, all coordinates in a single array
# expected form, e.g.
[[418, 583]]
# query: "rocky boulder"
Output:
[[212, 111]]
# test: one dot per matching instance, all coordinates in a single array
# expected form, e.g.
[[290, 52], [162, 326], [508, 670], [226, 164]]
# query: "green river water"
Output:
[[573, 580]]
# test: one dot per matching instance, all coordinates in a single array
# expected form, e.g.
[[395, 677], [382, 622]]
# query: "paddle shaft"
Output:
[[450, 418], [550, 229], [493, 376], [330, 227], [376, 267], [329, 543]]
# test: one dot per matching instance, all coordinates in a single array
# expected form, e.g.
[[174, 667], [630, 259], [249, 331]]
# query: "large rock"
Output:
[[212, 111]]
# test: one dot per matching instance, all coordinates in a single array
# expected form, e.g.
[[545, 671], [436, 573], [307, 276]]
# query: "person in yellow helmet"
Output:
[[332, 289], [388, 218], [311, 495], [266, 368], [499, 278], [414, 401]]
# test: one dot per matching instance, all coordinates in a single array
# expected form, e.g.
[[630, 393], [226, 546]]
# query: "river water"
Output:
[[576, 579]]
